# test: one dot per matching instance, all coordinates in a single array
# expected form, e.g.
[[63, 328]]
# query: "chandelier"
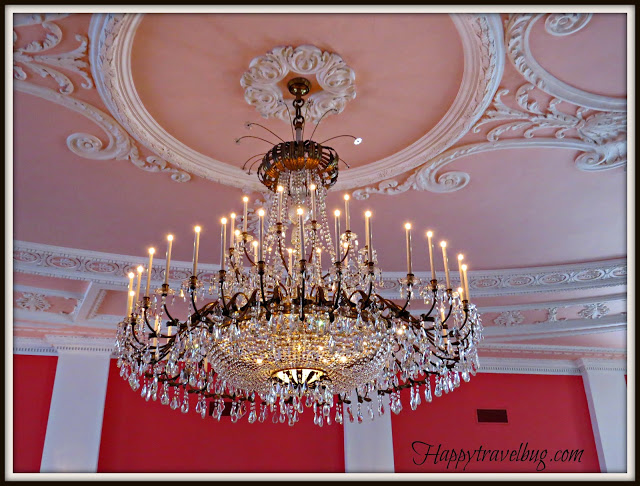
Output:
[[293, 318]]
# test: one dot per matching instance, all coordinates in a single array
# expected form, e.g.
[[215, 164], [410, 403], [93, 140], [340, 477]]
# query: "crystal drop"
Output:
[[174, 402], [338, 414], [185, 405], [252, 416], [349, 414], [320, 420], [274, 418], [203, 410], [282, 418], [437, 392], [144, 390]]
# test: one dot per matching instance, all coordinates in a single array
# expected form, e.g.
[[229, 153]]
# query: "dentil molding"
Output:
[[112, 37], [111, 269]]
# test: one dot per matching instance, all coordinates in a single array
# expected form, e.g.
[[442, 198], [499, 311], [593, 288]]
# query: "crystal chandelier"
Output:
[[281, 331]]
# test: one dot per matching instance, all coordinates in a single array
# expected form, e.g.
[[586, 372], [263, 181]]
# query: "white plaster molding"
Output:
[[32, 302], [600, 139], [111, 41], [33, 346], [509, 318], [82, 344], [35, 58], [569, 327], [591, 364], [556, 303], [540, 366], [120, 146], [517, 30], [572, 352], [565, 24], [594, 311], [111, 269], [333, 75], [65, 294]]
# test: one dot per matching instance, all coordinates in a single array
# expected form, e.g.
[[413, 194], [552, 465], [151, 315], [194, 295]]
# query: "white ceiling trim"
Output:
[[111, 269], [517, 30], [112, 37]]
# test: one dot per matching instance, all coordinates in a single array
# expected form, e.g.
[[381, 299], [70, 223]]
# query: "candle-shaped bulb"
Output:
[[460, 256], [131, 275], [280, 190], [460, 265], [261, 235], [367, 223], [407, 227], [443, 245], [300, 211], [166, 270], [232, 231], [347, 215], [466, 281], [140, 269], [312, 188], [223, 242], [430, 243], [196, 248], [245, 200], [255, 250], [151, 252], [338, 250], [130, 301]]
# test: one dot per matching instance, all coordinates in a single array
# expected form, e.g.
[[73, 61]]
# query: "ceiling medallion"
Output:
[[281, 331], [333, 75]]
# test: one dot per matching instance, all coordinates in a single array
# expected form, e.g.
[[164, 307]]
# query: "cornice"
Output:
[[546, 366], [111, 269]]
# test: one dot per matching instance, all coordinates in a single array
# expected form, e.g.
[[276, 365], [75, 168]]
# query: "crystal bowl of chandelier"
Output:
[[275, 331]]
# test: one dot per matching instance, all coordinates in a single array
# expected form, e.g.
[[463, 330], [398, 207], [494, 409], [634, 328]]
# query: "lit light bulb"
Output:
[[443, 244], [464, 267], [131, 275], [245, 199], [367, 214], [312, 187], [140, 269], [300, 211], [280, 189], [336, 213], [429, 234], [169, 237], [357, 141], [407, 226], [197, 229], [460, 256], [152, 251], [223, 220], [346, 197], [259, 361], [260, 212]]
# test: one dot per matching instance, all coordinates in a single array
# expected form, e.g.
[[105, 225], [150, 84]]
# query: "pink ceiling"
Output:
[[187, 71], [522, 208]]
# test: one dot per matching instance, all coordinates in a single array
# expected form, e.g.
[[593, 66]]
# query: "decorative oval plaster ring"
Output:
[[517, 31], [333, 75], [112, 38]]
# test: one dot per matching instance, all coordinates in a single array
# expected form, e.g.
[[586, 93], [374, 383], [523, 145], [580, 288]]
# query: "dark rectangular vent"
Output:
[[494, 416], [225, 413]]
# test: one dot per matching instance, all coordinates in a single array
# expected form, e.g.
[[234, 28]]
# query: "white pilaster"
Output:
[[606, 392], [72, 441], [368, 447]]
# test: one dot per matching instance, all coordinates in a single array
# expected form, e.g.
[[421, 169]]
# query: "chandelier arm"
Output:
[[252, 157], [251, 166], [257, 138], [337, 136], [286, 267], [253, 264], [250, 124], [303, 275], [320, 120], [433, 305]]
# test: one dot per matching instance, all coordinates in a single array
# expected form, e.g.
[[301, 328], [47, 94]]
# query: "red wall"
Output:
[[547, 412], [140, 436], [33, 378]]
